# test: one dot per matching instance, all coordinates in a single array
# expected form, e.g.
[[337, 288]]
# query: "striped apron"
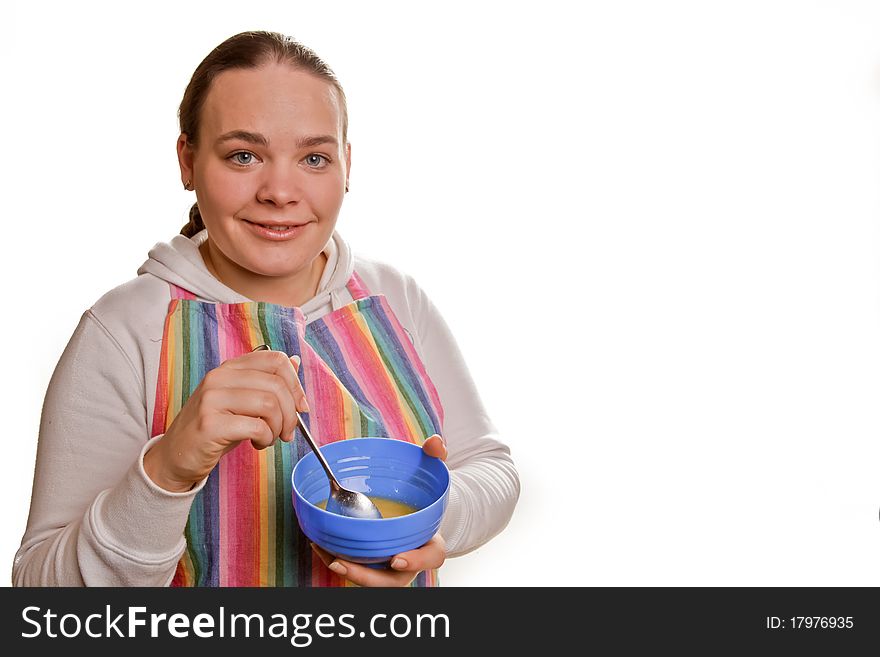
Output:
[[362, 377]]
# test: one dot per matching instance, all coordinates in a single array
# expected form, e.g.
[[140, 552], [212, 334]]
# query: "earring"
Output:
[[187, 185]]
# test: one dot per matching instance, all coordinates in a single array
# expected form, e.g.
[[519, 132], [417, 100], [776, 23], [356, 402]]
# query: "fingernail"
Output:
[[399, 563], [296, 360], [305, 406], [338, 568]]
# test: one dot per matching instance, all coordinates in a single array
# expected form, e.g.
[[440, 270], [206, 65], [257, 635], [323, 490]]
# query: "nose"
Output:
[[281, 185]]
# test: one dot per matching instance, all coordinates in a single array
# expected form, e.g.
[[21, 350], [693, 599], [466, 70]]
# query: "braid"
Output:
[[195, 222]]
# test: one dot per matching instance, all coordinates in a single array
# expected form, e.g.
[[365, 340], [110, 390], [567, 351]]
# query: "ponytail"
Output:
[[195, 222]]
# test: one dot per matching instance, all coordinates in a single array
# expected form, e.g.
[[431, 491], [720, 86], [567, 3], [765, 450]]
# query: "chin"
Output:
[[280, 266]]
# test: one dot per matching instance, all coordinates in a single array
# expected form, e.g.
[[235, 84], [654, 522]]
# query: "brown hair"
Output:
[[243, 51]]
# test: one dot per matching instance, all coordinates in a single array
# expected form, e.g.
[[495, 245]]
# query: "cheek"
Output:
[[327, 197], [227, 192]]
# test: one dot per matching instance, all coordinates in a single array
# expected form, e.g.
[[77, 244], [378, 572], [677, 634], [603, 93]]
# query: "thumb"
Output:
[[434, 446]]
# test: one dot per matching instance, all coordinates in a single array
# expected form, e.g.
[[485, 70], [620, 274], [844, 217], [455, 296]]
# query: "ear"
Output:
[[347, 163], [185, 158]]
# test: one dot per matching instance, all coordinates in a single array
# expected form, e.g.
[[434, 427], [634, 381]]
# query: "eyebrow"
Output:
[[260, 140]]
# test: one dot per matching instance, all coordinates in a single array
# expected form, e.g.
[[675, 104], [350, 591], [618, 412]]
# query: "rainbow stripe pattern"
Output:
[[362, 377]]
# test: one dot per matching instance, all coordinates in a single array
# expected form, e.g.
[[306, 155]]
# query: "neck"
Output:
[[290, 291]]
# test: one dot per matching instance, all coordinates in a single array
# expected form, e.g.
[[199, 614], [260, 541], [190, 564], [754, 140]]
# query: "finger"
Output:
[[231, 429], [286, 369], [301, 402], [273, 362], [362, 575], [221, 402], [325, 556], [434, 446], [431, 555], [366, 576], [271, 383]]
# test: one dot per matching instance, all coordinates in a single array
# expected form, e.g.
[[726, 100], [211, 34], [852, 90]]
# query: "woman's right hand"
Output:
[[252, 397]]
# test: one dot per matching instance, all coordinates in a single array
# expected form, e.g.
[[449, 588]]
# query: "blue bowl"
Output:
[[379, 467]]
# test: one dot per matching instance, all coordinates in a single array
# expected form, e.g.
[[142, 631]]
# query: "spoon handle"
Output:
[[334, 483], [311, 441]]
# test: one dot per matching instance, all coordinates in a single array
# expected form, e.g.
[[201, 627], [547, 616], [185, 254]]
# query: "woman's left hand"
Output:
[[404, 566]]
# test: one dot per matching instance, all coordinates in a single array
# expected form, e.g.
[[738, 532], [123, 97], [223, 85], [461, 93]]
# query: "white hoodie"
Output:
[[96, 519]]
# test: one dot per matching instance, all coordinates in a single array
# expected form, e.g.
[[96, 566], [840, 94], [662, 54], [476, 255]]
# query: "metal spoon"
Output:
[[342, 501]]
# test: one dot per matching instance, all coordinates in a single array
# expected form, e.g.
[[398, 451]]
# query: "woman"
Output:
[[158, 461]]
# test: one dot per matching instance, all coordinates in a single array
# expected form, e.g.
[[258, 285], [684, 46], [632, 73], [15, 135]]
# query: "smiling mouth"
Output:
[[277, 227]]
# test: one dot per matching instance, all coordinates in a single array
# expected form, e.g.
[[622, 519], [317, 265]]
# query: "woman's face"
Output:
[[270, 152]]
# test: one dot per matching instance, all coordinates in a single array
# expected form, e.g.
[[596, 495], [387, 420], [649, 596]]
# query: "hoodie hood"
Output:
[[180, 262]]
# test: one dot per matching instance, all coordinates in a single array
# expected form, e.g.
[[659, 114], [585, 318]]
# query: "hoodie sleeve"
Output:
[[96, 519], [485, 485]]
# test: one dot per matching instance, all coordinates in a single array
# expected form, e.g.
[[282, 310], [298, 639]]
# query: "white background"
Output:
[[653, 228]]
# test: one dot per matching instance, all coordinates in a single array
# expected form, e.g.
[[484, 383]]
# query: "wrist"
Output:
[[156, 470]]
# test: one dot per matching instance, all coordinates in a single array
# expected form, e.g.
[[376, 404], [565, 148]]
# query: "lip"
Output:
[[274, 235]]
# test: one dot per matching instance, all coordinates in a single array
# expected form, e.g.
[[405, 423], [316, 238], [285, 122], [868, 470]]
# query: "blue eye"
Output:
[[317, 161], [242, 157]]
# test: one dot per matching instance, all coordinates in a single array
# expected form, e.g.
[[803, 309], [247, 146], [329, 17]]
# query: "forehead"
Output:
[[275, 100]]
